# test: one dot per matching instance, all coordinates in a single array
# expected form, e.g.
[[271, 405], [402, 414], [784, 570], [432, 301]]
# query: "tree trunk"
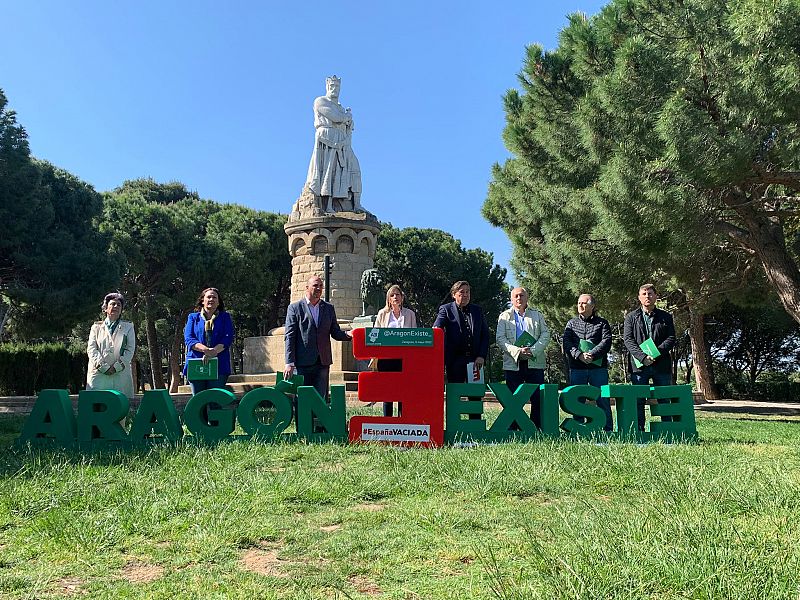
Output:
[[135, 374], [784, 276], [175, 353], [704, 376], [765, 237], [276, 305], [752, 371], [6, 314], [153, 348]]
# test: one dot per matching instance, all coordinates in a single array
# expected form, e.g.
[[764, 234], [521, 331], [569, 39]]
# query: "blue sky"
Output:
[[219, 96]]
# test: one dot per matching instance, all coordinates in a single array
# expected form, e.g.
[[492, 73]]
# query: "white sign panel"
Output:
[[395, 432]]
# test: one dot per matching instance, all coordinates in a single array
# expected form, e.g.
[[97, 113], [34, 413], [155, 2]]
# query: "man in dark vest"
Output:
[[587, 340]]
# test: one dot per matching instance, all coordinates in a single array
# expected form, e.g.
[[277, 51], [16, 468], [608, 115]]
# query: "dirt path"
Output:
[[751, 407]]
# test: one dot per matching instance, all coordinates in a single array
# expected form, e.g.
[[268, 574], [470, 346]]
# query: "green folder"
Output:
[[197, 370], [648, 347], [288, 386], [587, 346], [526, 340]]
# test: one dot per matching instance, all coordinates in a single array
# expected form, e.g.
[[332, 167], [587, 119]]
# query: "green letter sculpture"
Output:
[[99, 414], [571, 403], [51, 417], [513, 408], [627, 397], [330, 416], [220, 420], [257, 397], [548, 409], [681, 409], [156, 416], [456, 407]]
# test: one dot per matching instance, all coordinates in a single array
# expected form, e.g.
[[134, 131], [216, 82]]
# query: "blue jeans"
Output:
[[644, 377], [207, 384], [597, 378], [199, 386]]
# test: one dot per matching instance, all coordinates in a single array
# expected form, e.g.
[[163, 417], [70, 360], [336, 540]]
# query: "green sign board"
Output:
[[211, 416], [399, 336]]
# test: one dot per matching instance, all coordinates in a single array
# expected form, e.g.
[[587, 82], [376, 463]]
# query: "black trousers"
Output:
[[457, 373], [526, 375], [391, 365]]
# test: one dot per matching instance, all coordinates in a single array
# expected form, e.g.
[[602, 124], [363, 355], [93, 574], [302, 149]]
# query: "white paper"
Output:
[[471, 374]]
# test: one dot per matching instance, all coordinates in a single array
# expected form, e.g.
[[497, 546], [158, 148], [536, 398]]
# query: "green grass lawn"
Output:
[[551, 519]]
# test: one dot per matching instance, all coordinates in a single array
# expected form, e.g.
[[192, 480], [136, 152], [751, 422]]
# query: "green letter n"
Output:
[[311, 405]]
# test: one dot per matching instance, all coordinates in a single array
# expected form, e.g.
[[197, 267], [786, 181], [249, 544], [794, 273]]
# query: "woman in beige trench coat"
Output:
[[112, 343]]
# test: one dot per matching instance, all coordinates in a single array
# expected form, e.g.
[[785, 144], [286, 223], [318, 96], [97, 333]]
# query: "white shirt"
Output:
[[314, 311], [519, 321], [395, 321]]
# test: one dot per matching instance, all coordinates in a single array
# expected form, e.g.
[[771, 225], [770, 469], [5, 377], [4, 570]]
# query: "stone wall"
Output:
[[345, 280]]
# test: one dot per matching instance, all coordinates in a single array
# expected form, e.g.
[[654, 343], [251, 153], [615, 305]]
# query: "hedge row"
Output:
[[766, 391], [27, 368]]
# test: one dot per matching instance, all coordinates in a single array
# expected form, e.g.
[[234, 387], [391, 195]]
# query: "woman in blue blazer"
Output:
[[209, 333]]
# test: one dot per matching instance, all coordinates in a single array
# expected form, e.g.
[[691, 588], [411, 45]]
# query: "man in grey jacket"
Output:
[[587, 340], [523, 363], [310, 325]]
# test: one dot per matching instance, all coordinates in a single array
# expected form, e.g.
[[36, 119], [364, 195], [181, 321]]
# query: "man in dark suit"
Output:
[[643, 323], [466, 335], [310, 325]]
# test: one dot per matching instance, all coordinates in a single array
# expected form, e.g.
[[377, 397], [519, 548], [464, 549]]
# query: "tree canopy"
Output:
[[657, 141], [750, 340], [53, 260], [176, 244], [426, 263]]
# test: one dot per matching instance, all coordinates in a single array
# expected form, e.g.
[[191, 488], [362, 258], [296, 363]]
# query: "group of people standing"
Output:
[[522, 335], [208, 334], [311, 324]]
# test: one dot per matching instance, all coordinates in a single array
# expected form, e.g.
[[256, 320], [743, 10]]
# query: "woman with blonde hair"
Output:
[[394, 314]]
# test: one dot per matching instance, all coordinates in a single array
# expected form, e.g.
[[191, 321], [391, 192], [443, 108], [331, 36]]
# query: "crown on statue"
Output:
[[333, 79]]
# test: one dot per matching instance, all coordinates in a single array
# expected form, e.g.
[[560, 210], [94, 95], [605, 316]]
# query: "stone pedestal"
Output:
[[349, 239], [365, 321], [265, 354]]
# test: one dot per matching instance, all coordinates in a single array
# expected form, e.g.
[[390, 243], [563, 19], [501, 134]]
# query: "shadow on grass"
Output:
[[755, 420], [753, 409]]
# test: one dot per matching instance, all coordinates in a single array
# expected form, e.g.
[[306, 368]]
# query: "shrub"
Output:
[[27, 368], [769, 387]]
